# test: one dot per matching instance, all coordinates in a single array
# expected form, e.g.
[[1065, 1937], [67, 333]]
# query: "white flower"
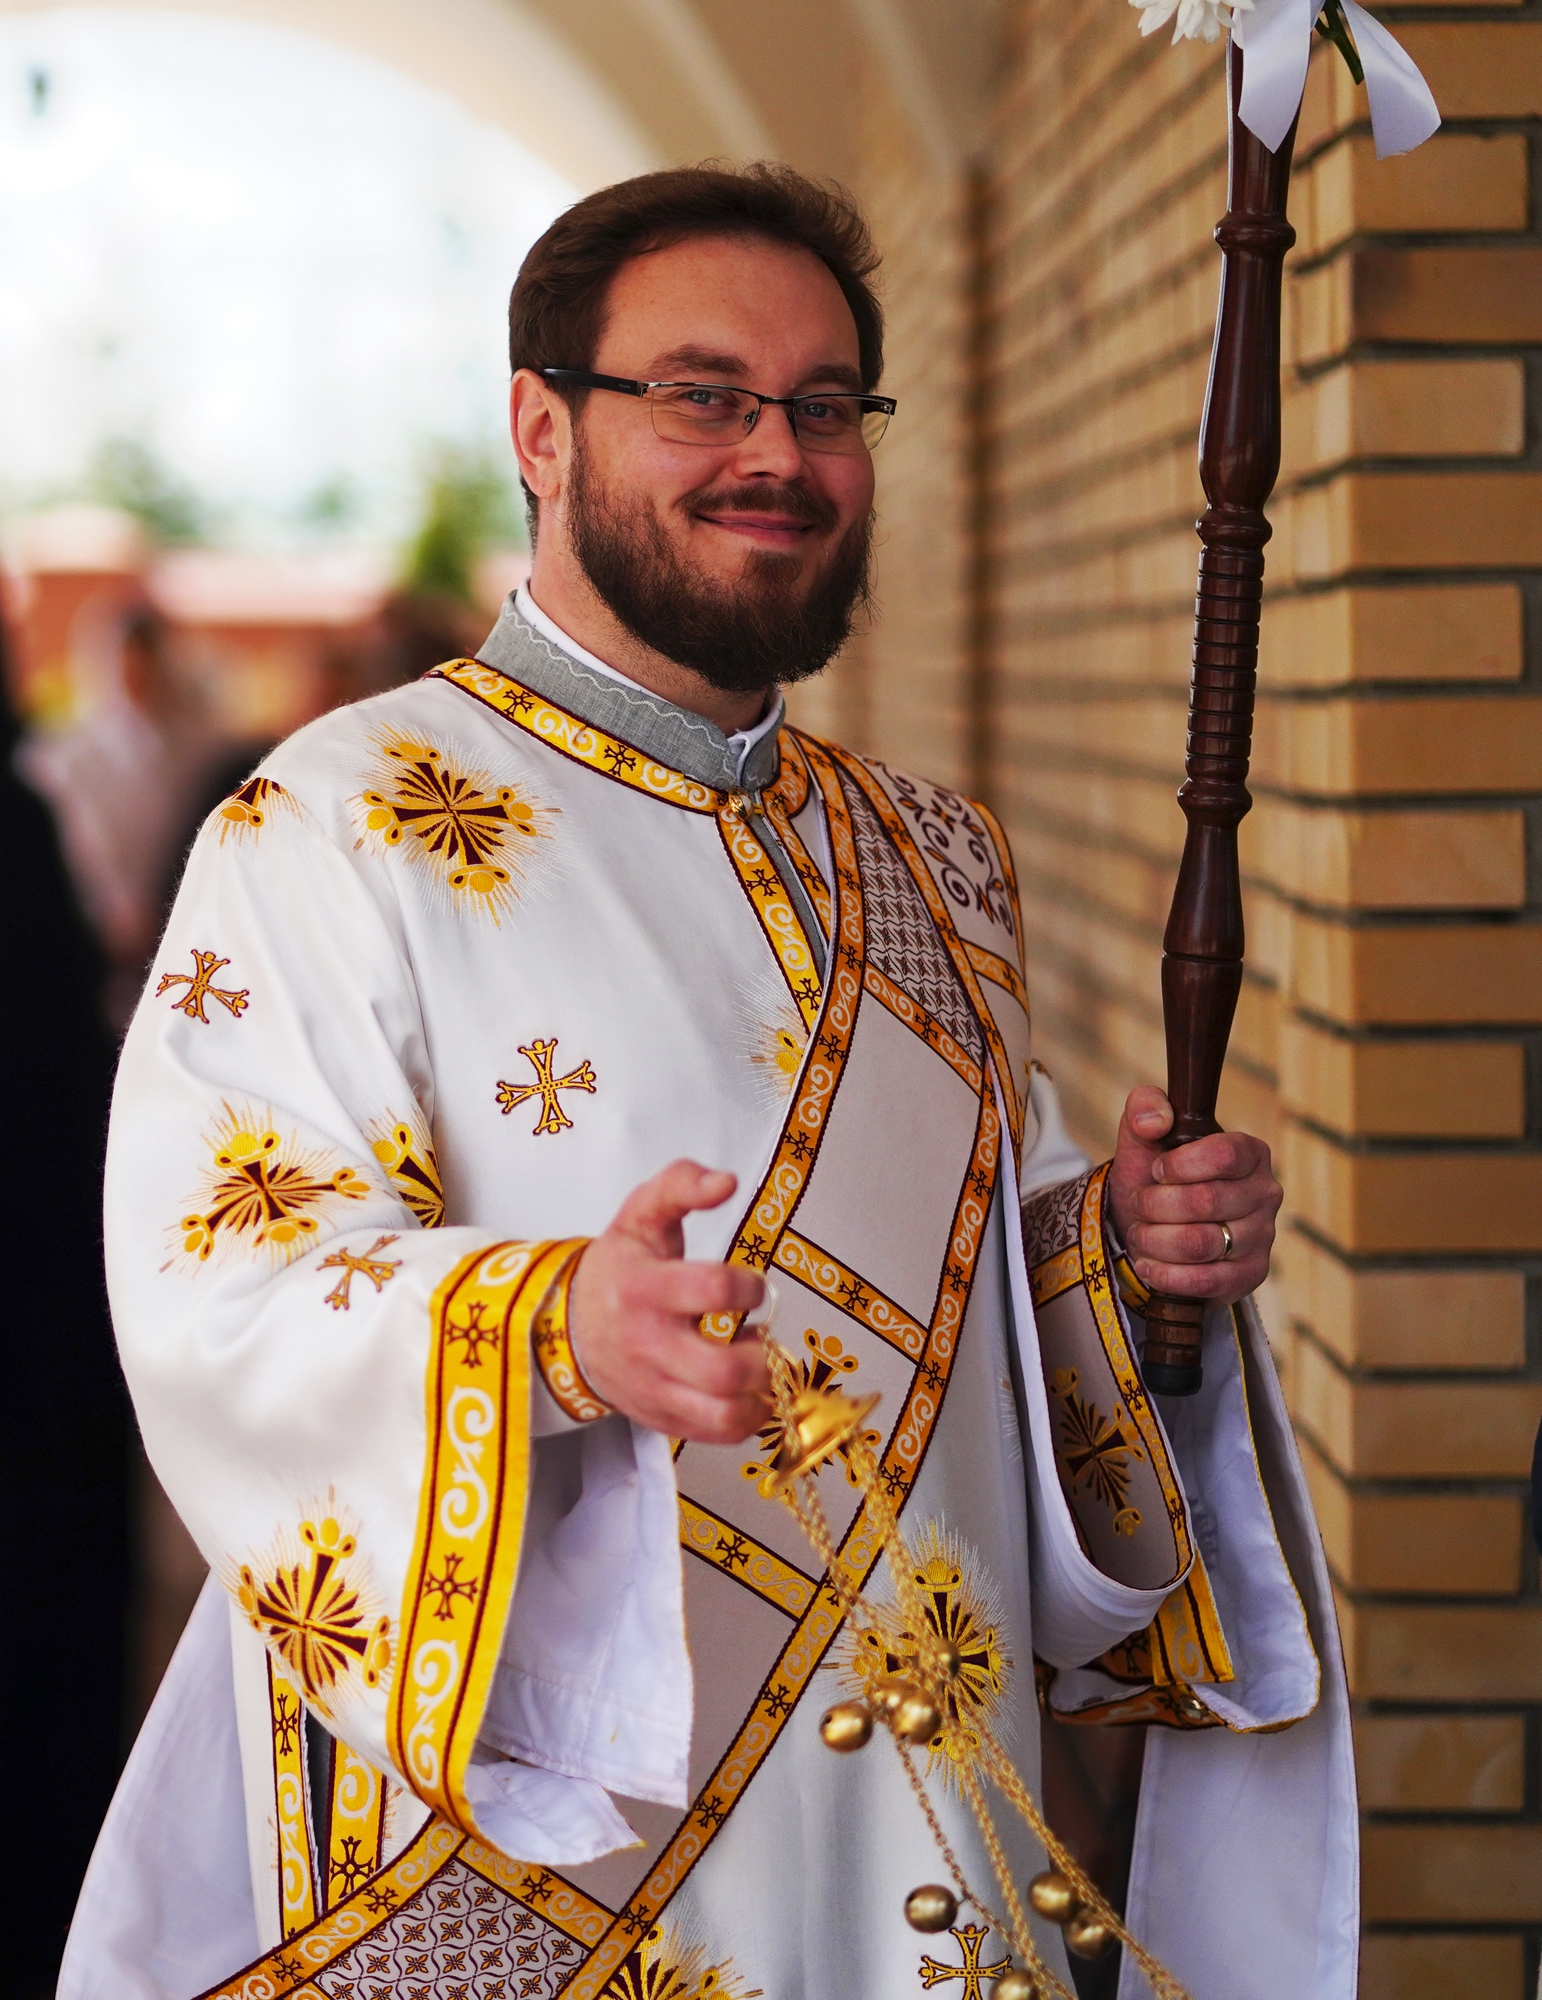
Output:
[[1198, 20]]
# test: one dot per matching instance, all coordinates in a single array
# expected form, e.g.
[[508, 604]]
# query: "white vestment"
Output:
[[491, 1694]]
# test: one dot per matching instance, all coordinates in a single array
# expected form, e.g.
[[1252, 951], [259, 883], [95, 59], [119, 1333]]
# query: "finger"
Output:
[[685, 1412], [1219, 1156], [687, 1360], [1219, 1283], [1207, 1201], [652, 1214], [1146, 1120], [1201, 1242], [691, 1289]]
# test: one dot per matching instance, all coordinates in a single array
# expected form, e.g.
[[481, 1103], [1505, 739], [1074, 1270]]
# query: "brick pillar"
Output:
[[1397, 837]]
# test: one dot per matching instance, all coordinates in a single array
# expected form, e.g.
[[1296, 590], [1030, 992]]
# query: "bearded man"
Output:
[[484, 1002]]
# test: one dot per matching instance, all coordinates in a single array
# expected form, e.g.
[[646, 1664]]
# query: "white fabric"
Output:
[[375, 996], [741, 742], [1275, 37]]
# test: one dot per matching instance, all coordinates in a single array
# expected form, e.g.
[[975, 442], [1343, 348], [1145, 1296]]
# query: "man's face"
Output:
[[742, 561]]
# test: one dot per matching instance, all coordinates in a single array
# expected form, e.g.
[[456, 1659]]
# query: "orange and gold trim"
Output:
[[355, 1829], [296, 1866], [768, 898], [931, 1031], [581, 741], [554, 1354], [460, 1580]]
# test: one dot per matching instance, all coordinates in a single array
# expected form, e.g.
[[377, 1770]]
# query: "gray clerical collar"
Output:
[[670, 735]]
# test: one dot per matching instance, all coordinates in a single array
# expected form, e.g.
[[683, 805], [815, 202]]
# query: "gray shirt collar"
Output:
[[669, 735]]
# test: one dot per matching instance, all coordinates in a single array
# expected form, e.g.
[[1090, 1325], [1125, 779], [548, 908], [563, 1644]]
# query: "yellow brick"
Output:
[[1404, 409], [1415, 520], [1463, 1965], [1419, 743], [1441, 1763], [1459, 295], [1388, 860], [1421, 1319], [1401, 1089], [1444, 1653], [1416, 1544], [1455, 182], [1489, 69], [1418, 1430], [1427, 1202], [1447, 632], [1457, 975], [1463, 1874]]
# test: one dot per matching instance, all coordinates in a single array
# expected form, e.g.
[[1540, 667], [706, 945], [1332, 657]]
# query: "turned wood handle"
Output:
[[1239, 460]]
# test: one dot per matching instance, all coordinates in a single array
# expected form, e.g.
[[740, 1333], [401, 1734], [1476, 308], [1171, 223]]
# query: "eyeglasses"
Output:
[[713, 414]]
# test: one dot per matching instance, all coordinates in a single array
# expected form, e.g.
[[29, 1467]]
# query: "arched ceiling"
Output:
[[605, 88]]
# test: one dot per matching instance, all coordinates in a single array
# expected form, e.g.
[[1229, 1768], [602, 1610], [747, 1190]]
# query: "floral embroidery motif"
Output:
[[827, 1361], [248, 810], [315, 1610], [272, 1193], [371, 1265], [962, 1610], [200, 987], [540, 1056], [407, 1156], [777, 1053], [471, 829], [665, 1966], [1097, 1449]]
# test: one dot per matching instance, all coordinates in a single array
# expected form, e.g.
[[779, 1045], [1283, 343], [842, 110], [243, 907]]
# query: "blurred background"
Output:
[[253, 262]]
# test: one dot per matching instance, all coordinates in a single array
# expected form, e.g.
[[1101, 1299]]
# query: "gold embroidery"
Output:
[[971, 1937], [740, 1556], [540, 1056], [355, 1824], [296, 1882], [1098, 1449], [769, 900], [247, 810], [827, 1360], [776, 1038], [473, 830], [1056, 1274], [920, 1022], [566, 734], [272, 1195], [664, 1966], [315, 1612], [407, 1156], [199, 984], [371, 1265], [555, 1357], [962, 1610], [861, 1301], [471, 1506]]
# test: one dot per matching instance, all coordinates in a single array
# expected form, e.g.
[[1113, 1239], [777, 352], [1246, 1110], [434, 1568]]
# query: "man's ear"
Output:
[[541, 425]]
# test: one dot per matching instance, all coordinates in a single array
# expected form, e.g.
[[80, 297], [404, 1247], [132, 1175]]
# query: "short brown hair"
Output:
[[557, 307]]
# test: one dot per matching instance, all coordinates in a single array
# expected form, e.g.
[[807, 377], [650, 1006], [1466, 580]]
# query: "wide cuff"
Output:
[[552, 1342], [471, 1513]]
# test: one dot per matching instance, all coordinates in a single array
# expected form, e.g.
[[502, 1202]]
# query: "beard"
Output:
[[766, 628]]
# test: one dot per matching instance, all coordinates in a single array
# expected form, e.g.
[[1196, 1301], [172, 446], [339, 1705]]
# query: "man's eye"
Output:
[[826, 412], [706, 399]]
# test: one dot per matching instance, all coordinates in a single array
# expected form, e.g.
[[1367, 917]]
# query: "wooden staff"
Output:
[[1239, 459]]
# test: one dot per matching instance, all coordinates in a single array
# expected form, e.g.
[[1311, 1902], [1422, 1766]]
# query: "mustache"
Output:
[[797, 503]]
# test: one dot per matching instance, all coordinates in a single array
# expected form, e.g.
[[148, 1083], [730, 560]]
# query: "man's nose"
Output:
[[771, 450]]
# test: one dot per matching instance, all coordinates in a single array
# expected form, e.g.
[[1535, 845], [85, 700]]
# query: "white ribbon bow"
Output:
[[1276, 38]]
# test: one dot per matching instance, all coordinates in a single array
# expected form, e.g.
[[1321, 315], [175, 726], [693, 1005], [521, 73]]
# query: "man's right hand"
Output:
[[634, 1308]]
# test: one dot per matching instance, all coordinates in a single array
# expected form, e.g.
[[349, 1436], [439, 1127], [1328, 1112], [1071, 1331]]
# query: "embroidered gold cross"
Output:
[[371, 1265], [546, 1086], [972, 1972], [200, 986]]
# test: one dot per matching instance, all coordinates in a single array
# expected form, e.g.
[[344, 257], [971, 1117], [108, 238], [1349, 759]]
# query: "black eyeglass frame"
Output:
[[624, 385]]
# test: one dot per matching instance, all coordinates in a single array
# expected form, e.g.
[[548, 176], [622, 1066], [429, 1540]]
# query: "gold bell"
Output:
[[1014, 1985], [931, 1908], [1053, 1897], [822, 1421], [887, 1694], [847, 1726], [1087, 1935], [915, 1719]]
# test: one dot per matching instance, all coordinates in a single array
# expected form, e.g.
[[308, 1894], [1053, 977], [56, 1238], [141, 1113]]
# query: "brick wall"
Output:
[[1388, 1037]]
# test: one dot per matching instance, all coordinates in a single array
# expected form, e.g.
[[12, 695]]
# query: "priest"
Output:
[[511, 1031]]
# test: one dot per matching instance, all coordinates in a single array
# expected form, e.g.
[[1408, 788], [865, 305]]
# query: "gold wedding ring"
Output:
[[1229, 1242]]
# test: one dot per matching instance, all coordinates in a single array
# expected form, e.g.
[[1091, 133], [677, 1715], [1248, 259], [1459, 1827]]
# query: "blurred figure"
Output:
[[66, 1459]]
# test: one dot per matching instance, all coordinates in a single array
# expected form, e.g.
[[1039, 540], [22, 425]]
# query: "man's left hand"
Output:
[[1168, 1208]]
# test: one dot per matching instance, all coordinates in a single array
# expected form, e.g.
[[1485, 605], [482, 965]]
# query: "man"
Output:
[[485, 1001]]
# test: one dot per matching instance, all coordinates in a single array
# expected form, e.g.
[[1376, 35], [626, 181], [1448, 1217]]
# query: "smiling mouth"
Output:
[[764, 524]]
